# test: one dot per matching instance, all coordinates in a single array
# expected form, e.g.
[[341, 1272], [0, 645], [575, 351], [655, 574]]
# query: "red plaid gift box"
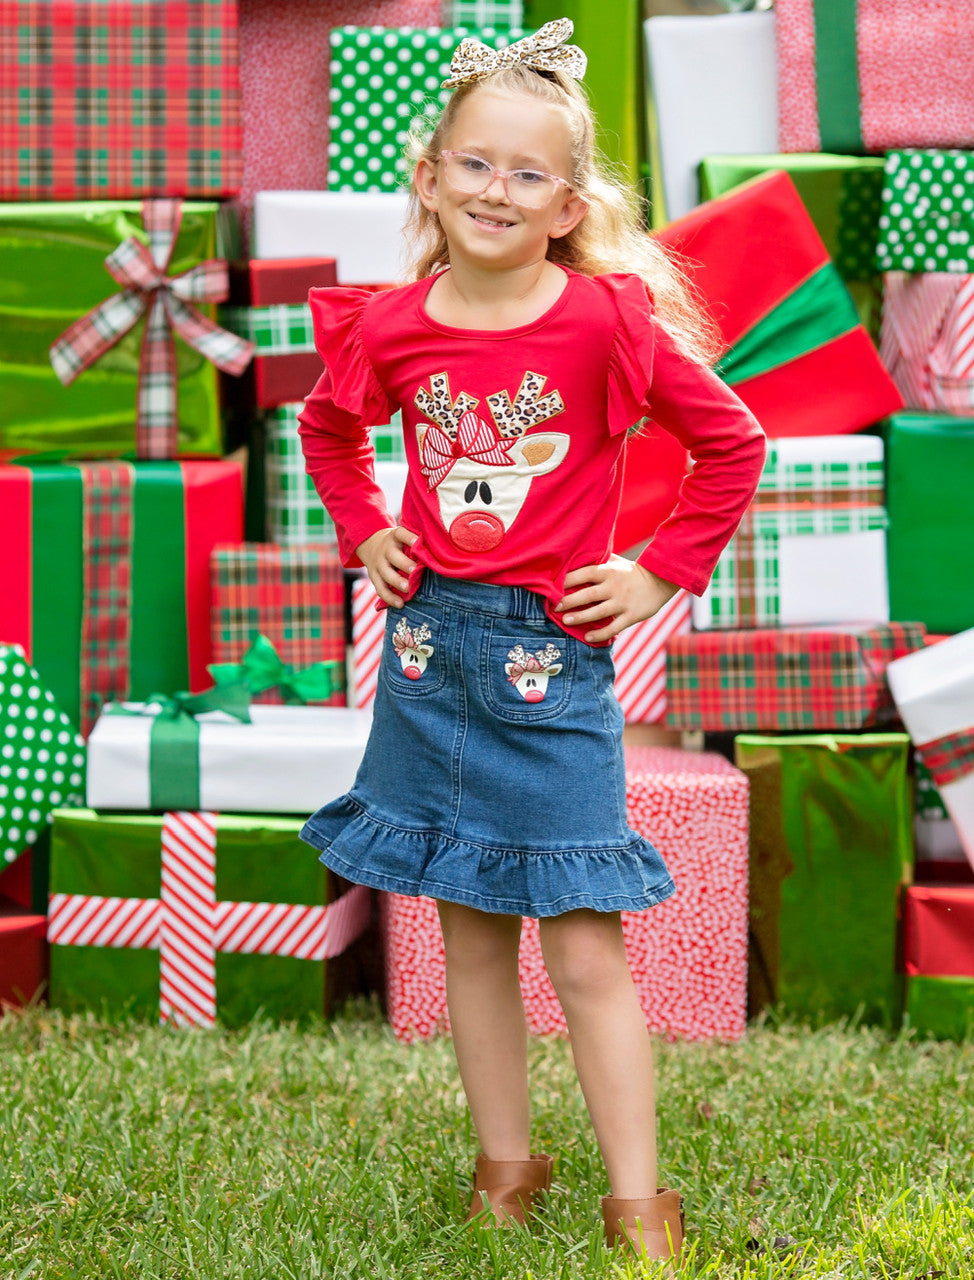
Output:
[[688, 955], [784, 679], [295, 596], [125, 99]]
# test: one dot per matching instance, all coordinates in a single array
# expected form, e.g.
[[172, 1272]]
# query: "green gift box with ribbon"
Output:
[[105, 574], [55, 274], [843, 196], [930, 539], [193, 917], [831, 844], [42, 756]]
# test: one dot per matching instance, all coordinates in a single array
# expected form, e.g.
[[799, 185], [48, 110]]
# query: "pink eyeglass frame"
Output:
[[504, 174]]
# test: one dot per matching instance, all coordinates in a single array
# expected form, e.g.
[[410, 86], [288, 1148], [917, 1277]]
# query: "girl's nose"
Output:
[[497, 187]]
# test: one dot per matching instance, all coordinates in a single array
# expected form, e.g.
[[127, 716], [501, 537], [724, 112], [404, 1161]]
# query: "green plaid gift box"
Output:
[[927, 218], [499, 14], [284, 329], [294, 510], [385, 84], [42, 756], [811, 487]]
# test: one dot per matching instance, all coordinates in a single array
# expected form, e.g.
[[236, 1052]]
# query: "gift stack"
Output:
[[827, 214]]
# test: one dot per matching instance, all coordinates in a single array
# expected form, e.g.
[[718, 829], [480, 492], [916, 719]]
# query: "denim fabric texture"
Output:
[[494, 775]]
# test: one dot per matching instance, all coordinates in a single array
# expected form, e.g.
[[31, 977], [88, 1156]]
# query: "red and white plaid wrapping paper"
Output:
[[188, 926], [639, 654], [688, 955]]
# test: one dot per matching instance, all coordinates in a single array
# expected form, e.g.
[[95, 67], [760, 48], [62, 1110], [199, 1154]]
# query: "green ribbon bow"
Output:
[[261, 668], [174, 740]]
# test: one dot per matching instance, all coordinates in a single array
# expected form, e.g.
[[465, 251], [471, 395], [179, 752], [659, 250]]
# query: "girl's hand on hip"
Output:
[[388, 562], [620, 591]]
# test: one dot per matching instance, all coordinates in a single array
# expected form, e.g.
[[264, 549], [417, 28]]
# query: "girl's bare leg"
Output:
[[489, 1028], [586, 961]]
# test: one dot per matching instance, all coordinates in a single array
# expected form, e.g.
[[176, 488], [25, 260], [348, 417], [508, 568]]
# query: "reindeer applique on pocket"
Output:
[[529, 673], [411, 648], [482, 470]]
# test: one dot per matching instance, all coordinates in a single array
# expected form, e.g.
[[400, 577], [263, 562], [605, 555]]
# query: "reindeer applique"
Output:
[[481, 470], [529, 672], [410, 648]]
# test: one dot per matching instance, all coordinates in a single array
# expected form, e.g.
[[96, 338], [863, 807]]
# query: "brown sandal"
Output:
[[507, 1188], [651, 1228]]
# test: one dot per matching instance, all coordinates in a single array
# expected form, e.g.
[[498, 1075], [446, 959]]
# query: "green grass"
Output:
[[335, 1151]]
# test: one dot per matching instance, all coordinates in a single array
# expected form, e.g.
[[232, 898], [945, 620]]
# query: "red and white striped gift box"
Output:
[[639, 654], [688, 955]]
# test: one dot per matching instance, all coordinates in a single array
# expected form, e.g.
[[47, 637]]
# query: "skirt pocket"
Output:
[[526, 672], [414, 660]]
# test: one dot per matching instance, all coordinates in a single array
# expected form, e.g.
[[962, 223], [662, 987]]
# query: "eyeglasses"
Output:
[[530, 188]]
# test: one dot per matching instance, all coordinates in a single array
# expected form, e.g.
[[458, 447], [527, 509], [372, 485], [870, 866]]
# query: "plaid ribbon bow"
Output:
[[544, 51], [167, 304], [949, 758]]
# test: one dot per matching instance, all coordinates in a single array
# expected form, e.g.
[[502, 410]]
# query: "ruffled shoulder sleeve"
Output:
[[631, 358], [338, 315]]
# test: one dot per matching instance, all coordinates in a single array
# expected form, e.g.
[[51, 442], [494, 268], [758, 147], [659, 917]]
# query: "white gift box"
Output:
[[288, 760], [715, 88], [361, 230], [934, 693]]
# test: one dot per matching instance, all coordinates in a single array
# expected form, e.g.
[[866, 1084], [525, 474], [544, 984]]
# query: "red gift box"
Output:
[[269, 306], [688, 954], [794, 350], [938, 929], [23, 954]]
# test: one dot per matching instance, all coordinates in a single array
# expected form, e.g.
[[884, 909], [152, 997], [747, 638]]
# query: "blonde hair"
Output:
[[611, 237]]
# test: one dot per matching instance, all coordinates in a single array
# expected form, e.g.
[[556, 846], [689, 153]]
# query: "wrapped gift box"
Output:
[[784, 679], [385, 81], [23, 955], [54, 274], [105, 576], [688, 955], [286, 760], [788, 325], [927, 339], [930, 538], [714, 90], [129, 99], [361, 230], [811, 548], [498, 14], [871, 75], [42, 759], [190, 917], [926, 222], [938, 956], [831, 843], [639, 653], [295, 596], [843, 196], [294, 510], [934, 692], [269, 307]]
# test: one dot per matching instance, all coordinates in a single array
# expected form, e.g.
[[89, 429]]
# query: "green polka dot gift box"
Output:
[[42, 756], [926, 222], [385, 84]]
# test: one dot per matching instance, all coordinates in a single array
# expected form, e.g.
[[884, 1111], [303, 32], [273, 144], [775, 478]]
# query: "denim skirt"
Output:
[[494, 775]]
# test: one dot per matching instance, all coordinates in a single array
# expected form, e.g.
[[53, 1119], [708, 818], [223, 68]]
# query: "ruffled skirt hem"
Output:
[[367, 851]]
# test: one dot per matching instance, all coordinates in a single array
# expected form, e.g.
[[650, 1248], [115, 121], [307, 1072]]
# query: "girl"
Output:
[[494, 778]]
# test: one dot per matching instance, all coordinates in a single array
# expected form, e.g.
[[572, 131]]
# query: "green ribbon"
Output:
[[837, 76], [174, 740], [261, 669], [816, 313]]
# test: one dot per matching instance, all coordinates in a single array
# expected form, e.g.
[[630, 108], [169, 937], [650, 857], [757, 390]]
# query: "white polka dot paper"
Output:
[[42, 757], [927, 220], [385, 85], [688, 955]]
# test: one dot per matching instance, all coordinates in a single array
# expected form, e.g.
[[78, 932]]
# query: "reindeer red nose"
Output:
[[534, 695], [411, 673], [476, 531]]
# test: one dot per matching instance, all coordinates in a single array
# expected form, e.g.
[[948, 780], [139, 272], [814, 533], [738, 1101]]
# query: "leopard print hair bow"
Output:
[[545, 51]]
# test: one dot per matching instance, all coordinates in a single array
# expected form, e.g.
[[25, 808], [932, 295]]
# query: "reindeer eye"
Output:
[[485, 494], [470, 492]]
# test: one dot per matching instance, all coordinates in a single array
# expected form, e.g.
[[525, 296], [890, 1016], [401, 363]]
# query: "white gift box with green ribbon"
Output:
[[361, 230], [811, 549]]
